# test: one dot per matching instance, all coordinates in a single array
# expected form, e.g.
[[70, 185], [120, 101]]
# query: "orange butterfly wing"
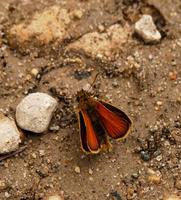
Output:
[[113, 120], [89, 139]]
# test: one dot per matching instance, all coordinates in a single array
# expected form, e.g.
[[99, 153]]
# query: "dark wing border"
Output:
[[83, 134], [119, 113]]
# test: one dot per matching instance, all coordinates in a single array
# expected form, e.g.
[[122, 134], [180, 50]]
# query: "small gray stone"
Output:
[[35, 111], [10, 137], [145, 155], [146, 28]]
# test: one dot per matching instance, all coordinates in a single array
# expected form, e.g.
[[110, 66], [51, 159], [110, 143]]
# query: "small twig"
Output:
[[3, 157]]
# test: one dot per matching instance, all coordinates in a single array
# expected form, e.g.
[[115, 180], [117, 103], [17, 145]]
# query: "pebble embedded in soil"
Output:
[[135, 175], [35, 111], [77, 169], [55, 197], [90, 171], [173, 76], [101, 28], [54, 128], [10, 136], [159, 103], [147, 30], [34, 72], [115, 84], [42, 152], [77, 14], [33, 155]]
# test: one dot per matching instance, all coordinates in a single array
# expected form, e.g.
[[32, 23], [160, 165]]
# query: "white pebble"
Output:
[[35, 111], [146, 28], [10, 137]]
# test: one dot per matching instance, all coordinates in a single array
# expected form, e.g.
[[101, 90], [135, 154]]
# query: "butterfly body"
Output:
[[84, 100], [97, 120]]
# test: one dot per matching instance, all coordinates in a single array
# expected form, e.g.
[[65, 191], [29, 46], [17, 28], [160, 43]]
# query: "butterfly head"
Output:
[[83, 98], [82, 95]]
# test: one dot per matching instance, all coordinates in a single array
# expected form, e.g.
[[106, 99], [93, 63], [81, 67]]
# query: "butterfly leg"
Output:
[[106, 146]]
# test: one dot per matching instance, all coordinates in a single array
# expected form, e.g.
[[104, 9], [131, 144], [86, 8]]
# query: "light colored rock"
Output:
[[146, 28], [77, 14], [45, 26], [35, 111], [90, 171], [77, 169], [34, 72], [55, 197], [10, 136], [103, 44], [7, 195]]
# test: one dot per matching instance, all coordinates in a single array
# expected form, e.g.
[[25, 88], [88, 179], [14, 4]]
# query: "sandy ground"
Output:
[[67, 43]]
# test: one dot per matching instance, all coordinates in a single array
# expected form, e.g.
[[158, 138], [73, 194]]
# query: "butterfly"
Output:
[[98, 120]]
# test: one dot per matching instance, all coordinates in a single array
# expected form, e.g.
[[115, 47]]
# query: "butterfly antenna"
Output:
[[95, 78]]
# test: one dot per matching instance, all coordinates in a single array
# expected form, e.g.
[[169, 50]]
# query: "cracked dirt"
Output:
[[68, 43]]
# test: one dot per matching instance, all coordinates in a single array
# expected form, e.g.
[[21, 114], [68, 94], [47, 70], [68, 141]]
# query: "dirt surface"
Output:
[[58, 47]]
